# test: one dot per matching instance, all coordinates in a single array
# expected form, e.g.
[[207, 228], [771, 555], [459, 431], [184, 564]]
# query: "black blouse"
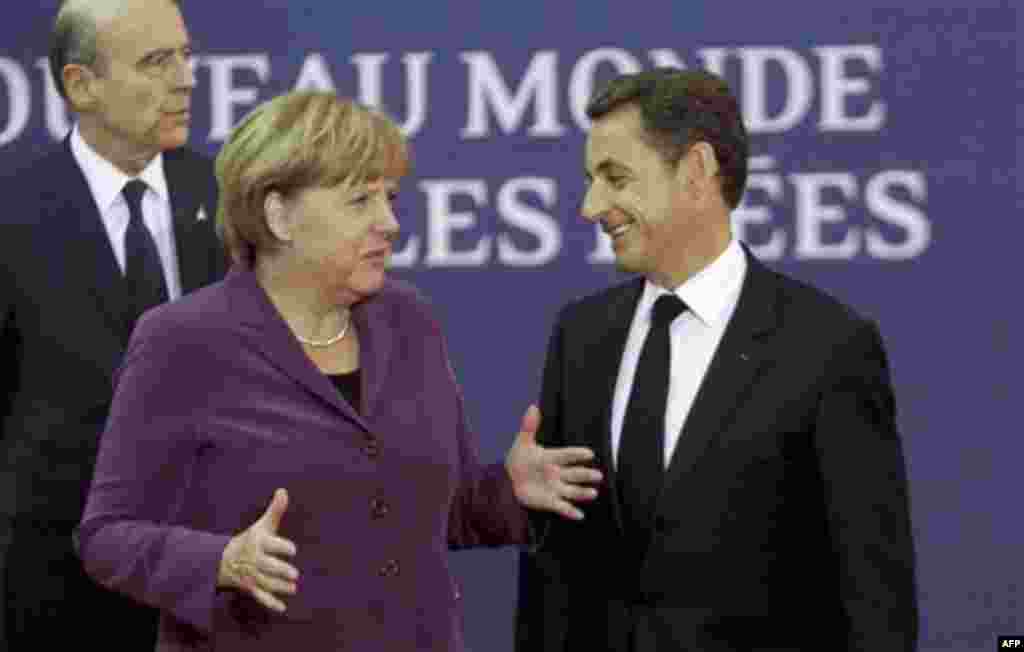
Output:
[[348, 385]]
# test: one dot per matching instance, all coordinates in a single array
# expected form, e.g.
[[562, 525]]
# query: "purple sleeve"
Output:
[[131, 538], [485, 510]]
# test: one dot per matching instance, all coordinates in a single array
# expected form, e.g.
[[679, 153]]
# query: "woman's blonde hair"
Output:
[[293, 142]]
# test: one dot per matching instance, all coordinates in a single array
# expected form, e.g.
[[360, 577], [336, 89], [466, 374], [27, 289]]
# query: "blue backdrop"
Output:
[[885, 144]]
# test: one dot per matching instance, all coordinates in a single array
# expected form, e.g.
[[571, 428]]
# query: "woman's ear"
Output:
[[275, 211]]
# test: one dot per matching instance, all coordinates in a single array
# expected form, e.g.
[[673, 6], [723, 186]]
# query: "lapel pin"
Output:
[[744, 357], [201, 214]]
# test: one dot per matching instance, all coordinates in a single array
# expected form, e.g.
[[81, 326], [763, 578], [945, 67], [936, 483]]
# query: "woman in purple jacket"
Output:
[[287, 460]]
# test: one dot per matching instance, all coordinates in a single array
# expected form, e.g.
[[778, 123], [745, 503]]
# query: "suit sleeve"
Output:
[[550, 433], [132, 538], [10, 350], [484, 510], [9, 354], [542, 596], [864, 476]]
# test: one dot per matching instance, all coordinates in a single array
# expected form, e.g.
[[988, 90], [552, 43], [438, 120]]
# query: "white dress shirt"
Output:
[[711, 295], [106, 182]]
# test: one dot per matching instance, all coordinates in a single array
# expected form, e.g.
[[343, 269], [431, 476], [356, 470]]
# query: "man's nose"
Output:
[[594, 204]]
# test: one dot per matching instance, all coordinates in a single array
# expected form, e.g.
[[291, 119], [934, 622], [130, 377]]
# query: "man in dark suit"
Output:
[[108, 224], [756, 494]]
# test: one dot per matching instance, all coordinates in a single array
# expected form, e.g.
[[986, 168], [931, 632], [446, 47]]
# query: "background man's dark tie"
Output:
[[144, 274], [641, 451]]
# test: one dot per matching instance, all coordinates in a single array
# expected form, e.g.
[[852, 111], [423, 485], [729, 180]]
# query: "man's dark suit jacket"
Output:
[[783, 521], [63, 331]]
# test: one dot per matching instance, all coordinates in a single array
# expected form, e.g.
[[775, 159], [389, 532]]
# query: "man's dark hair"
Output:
[[682, 107]]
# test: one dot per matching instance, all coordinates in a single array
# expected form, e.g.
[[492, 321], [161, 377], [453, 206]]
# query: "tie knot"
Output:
[[666, 309], [133, 191]]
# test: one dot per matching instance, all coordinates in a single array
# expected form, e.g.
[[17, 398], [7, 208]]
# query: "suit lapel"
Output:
[[741, 356], [610, 346], [266, 330], [75, 224], [190, 229]]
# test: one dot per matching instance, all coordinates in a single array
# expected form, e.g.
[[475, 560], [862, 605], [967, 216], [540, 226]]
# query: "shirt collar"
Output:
[[709, 293], [106, 181]]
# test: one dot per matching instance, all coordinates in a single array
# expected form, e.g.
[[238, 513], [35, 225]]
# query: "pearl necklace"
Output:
[[324, 343]]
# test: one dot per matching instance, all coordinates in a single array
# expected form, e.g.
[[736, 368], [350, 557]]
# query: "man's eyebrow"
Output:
[[608, 165], [160, 52], [153, 54]]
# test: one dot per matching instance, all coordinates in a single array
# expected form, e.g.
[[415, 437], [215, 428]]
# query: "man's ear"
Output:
[[705, 162], [275, 212], [80, 85], [698, 169]]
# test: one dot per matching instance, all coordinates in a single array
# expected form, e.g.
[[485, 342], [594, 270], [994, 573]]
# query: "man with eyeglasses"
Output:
[[113, 221]]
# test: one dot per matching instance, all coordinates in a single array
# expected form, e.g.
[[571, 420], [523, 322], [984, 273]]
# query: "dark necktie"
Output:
[[143, 273], [641, 451]]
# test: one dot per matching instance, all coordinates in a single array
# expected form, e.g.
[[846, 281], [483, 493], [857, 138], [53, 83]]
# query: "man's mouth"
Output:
[[618, 231]]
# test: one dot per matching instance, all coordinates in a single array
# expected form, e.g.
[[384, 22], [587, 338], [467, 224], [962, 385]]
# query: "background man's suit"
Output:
[[783, 516], [64, 324]]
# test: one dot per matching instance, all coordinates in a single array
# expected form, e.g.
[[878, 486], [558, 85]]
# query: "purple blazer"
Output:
[[216, 405]]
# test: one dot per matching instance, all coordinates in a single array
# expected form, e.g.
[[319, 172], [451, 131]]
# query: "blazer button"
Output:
[[660, 524], [390, 569], [371, 448], [379, 508]]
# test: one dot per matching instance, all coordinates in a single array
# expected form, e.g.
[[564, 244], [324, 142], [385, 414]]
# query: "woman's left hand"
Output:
[[550, 479]]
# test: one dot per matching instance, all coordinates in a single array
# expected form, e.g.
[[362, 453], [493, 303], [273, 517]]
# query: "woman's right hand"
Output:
[[251, 561]]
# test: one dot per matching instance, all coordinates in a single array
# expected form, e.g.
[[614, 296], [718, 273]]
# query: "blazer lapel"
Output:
[[372, 320], [611, 344], [190, 227], [262, 325], [741, 356], [75, 224]]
